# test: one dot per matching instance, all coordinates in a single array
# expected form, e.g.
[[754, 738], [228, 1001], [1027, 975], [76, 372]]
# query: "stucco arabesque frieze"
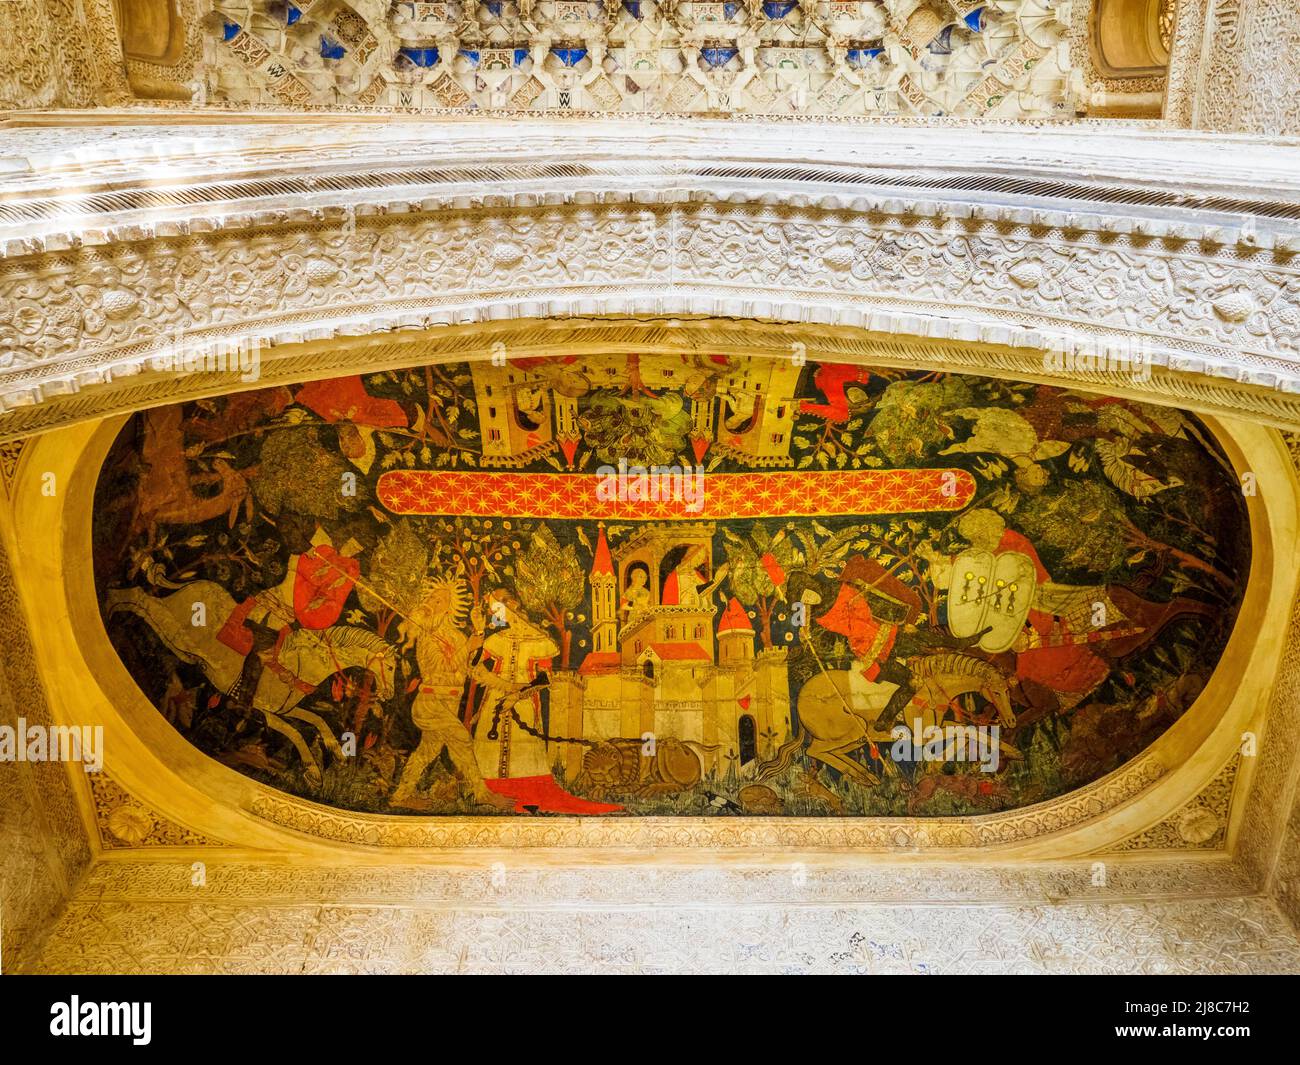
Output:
[[93, 290]]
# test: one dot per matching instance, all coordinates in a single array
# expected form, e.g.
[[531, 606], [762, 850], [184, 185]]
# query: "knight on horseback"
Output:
[[312, 594], [879, 615]]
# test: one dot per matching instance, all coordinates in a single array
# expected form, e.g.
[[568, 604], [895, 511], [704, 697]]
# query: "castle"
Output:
[[661, 660], [661, 663], [743, 408]]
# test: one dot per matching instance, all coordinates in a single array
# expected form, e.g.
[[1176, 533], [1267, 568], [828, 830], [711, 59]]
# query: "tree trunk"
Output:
[[765, 616]]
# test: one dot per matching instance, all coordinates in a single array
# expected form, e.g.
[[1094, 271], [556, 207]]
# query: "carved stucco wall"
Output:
[[60, 53], [1286, 889], [144, 917], [1235, 67], [1269, 842], [44, 846], [464, 223]]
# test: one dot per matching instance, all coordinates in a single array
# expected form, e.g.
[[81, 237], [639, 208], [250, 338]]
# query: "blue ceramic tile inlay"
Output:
[[862, 56], [729, 9], [471, 54], [942, 43], [633, 8], [496, 7], [718, 57], [570, 57], [421, 57], [975, 20], [292, 15], [520, 55], [228, 30], [330, 48], [778, 9]]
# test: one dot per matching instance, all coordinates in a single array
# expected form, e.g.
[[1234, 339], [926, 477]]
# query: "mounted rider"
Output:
[[879, 615], [316, 585]]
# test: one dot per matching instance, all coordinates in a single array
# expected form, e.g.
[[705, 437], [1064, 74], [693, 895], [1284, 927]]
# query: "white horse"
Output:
[[305, 659]]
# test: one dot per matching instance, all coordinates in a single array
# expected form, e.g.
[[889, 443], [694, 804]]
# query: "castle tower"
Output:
[[604, 598], [566, 427], [735, 636], [676, 620], [514, 413], [701, 427], [765, 389]]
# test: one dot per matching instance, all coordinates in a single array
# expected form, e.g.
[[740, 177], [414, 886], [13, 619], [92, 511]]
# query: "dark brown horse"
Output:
[[1143, 621]]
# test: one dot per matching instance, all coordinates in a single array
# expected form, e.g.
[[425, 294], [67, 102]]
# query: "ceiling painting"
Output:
[[667, 585]]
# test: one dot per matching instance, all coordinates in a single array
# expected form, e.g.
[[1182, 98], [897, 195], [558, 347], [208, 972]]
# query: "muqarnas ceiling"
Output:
[[669, 585], [997, 59]]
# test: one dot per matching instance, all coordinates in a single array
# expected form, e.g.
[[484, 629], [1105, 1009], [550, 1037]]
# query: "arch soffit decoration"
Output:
[[1130, 38], [848, 323], [213, 803]]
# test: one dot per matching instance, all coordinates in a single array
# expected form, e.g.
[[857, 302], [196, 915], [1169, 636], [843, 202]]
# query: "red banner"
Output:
[[708, 497]]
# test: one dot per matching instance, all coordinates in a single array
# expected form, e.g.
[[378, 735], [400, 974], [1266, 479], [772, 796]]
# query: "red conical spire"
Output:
[[603, 564], [734, 618]]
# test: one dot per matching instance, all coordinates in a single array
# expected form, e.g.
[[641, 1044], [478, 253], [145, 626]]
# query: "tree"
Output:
[[397, 566], [1081, 520], [475, 548], [910, 421], [643, 430], [298, 475], [757, 568], [550, 580], [441, 406]]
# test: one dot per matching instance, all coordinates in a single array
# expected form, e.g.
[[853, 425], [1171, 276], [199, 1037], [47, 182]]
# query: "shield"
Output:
[[1014, 579], [990, 591]]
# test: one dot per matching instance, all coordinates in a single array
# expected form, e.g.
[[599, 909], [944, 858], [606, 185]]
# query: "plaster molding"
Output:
[[613, 228], [125, 822], [1201, 823]]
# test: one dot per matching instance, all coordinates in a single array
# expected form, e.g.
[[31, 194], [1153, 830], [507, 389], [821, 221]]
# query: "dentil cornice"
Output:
[[121, 244]]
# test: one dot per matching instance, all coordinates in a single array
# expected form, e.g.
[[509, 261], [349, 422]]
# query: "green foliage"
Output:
[[298, 475], [1080, 520], [909, 425], [643, 430], [397, 566], [750, 579], [549, 578]]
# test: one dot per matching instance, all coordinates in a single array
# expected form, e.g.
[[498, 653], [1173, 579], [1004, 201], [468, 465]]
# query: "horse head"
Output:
[[383, 664], [998, 693]]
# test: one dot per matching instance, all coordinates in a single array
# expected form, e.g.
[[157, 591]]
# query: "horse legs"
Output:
[[314, 775], [836, 756], [318, 723]]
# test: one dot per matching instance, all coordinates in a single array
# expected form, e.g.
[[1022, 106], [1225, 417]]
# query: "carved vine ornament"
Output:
[[118, 291]]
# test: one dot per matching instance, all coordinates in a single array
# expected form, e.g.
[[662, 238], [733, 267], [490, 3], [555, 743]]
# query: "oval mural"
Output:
[[669, 585]]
